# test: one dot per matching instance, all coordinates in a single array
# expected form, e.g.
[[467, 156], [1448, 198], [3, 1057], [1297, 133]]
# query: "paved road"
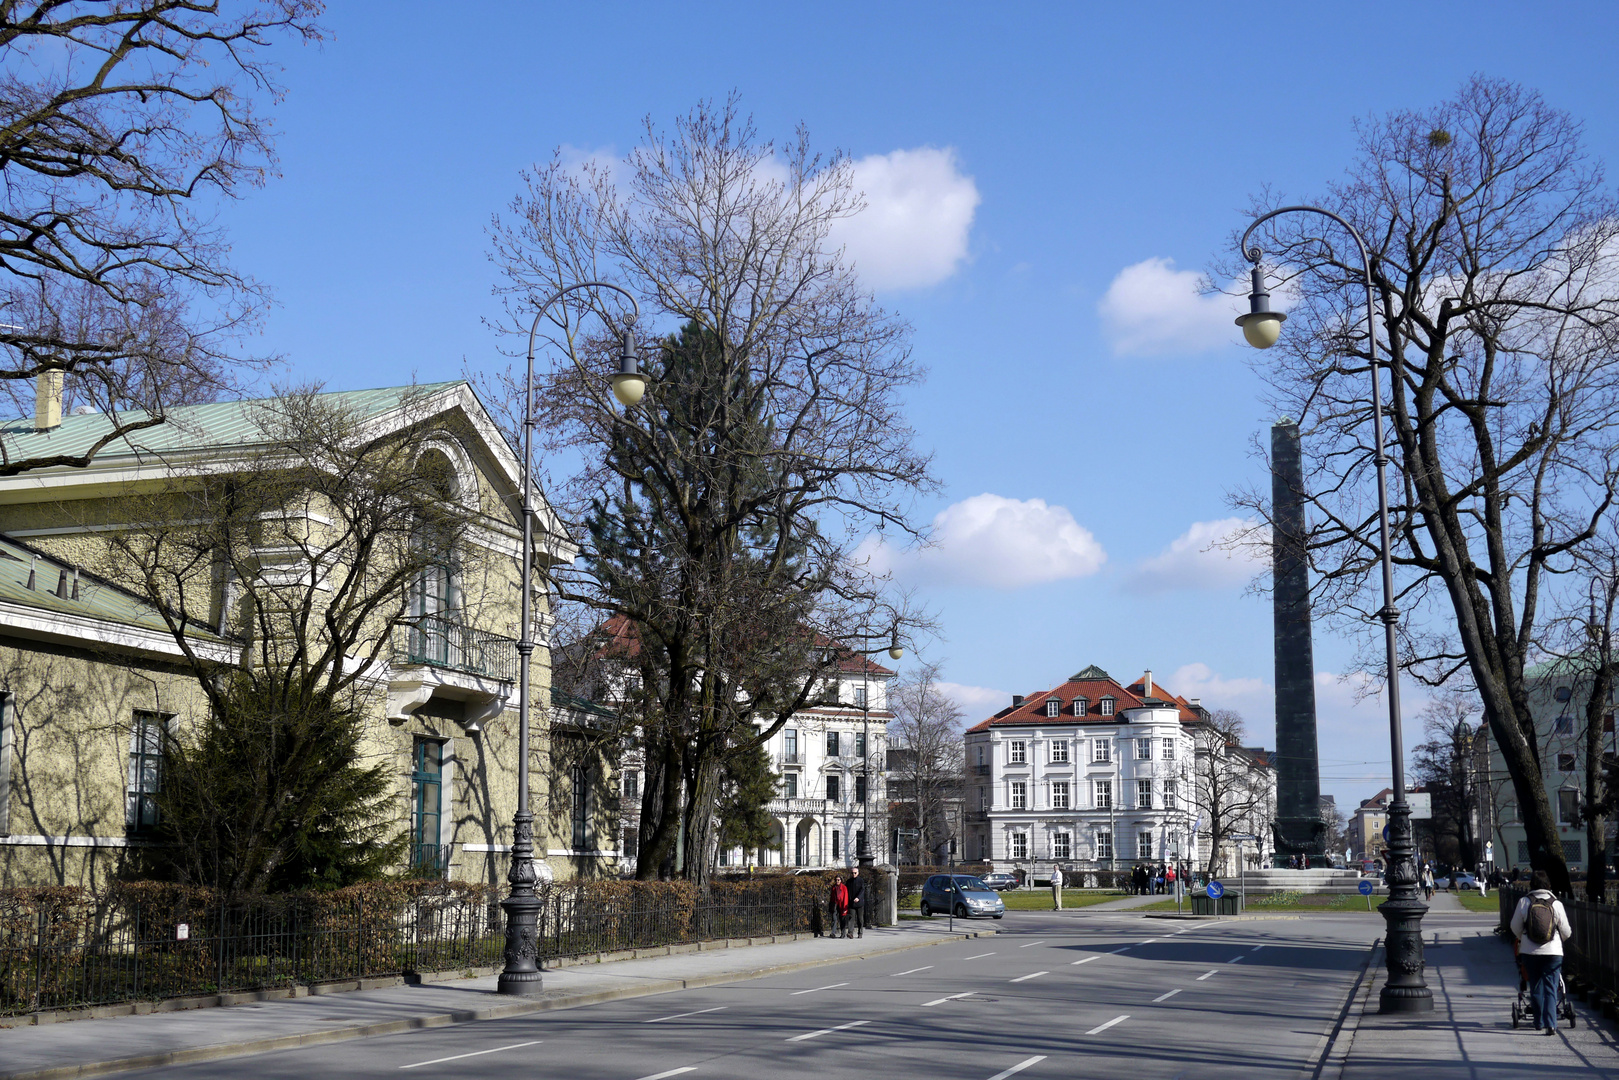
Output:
[[1052, 996]]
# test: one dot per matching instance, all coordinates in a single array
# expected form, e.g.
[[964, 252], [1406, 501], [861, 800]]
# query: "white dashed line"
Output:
[[1019, 1067], [818, 989], [1110, 1023], [980, 956], [1122, 948], [952, 997], [671, 1072], [1236, 959], [475, 1053], [1206, 974], [1035, 975], [678, 1016], [1087, 960], [828, 1031], [1149, 941], [1165, 997], [1031, 944], [913, 971], [1258, 947]]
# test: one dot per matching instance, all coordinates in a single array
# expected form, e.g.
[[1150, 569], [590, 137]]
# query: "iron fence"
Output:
[[73, 957], [450, 643], [1591, 954]]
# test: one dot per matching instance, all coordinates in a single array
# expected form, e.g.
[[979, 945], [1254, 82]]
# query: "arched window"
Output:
[[435, 595]]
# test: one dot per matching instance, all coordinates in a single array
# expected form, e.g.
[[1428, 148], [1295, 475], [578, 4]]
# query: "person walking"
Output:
[[838, 905], [857, 902], [1541, 926], [1427, 881]]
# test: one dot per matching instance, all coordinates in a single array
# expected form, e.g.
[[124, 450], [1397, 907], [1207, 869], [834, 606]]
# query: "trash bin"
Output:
[[1229, 904]]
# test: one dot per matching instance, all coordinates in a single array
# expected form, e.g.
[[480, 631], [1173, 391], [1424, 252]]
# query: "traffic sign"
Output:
[[1366, 888], [1243, 836], [1215, 890], [1385, 834]]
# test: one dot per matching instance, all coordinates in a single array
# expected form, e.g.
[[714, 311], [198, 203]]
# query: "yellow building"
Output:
[[87, 667]]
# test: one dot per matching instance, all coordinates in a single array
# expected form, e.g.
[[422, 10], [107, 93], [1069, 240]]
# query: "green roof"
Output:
[[97, 599], [188, 427]]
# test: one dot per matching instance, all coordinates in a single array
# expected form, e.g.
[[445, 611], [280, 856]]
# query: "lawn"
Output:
[[1287, 903], [1038, 899], [1472, 901]]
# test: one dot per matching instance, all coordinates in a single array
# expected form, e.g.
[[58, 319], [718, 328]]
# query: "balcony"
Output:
[[977, 815], [451, 644], [981, 770], [794, 757]]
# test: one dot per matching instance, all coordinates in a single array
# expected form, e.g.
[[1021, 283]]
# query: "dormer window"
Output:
[[1053, 706], [1107, 706], [1081, 706]]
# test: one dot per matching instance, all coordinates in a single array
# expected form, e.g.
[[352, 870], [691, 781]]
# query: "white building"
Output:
[[1090, 774]]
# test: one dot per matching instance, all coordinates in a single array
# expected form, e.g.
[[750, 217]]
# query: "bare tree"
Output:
[[720, 515], [1231, 786], [1442, 764], [925, 757], [120, 125], [1493, 244]]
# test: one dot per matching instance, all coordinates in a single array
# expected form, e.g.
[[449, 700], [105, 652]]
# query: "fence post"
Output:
[[39, 957], [219, 952]]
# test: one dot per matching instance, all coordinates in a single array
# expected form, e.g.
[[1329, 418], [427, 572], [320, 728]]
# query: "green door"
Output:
[[426, 781]]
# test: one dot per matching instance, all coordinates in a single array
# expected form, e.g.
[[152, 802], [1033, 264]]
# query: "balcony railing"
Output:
[[449, 643], [430, 859], [977, 815], [980, 770], [792, 757]]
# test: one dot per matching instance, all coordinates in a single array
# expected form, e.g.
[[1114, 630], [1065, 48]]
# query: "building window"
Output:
[[632, 785], [860, 841], [1144, 794], [1053, 706], [1523, 851], [789, 746], [1104, 843], [1061, 846], [860, 789], [983, 798], [1016, 753], [1565, 762], [1562, 693], [860, 697], [1169, 749], [1143, 749], [1169, 795], [1020, 845], [145, 772], [1104, 794], [1101, 751], [426, 803], [582, 839], [789, 785], [1107, 706], [860, 744], [1059, 752], [1020, 795], [1144, 844], [1568, 807], [837, 844], [1081, 706], [980, 749], [831, 744], [834, 791], [1563, 725], [1059, 795], [725, 853], [1573, 850], [983, 848]]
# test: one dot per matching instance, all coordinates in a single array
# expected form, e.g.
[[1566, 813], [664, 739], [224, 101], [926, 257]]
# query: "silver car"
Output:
[[962, 894]]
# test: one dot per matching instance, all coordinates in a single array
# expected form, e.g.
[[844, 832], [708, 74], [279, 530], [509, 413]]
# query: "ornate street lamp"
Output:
[[522, 973], [1404, 989]]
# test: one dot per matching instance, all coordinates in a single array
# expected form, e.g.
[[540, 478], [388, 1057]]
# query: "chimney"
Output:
[[48, 401], [1146, 684], [1017, 699], [1195, 702]]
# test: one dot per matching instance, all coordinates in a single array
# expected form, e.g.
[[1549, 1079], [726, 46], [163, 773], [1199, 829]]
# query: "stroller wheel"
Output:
[[1517, 1014]]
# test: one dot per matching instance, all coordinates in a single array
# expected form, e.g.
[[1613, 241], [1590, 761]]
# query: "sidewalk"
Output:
[[98, 1047], [1469, 1034]]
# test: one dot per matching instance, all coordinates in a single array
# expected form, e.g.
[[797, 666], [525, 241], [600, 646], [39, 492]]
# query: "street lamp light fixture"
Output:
[[1404, 990], [629, 384], [896, 652]]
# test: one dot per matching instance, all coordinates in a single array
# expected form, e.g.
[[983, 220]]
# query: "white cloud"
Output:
[[1153, 309], [913, 230], [977, 702], [990, 540], [1251, 697], [1205, 557]]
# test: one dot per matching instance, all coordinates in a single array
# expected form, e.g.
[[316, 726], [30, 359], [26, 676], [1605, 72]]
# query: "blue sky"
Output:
[[1080, 163]]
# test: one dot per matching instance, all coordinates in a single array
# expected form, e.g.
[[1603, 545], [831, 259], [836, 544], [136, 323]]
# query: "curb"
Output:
[[1332, 1054], [457, 1016]]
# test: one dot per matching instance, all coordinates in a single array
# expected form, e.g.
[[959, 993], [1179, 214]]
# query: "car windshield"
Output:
[[965, 882]]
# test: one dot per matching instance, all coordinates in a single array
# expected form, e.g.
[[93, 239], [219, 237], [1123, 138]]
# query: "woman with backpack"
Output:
[[1541, 926]]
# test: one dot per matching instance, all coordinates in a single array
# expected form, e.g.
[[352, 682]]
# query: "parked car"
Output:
[[1464, 880], [965, 895], [1000, 882]]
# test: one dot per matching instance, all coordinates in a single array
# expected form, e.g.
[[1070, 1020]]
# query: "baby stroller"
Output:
[[1523, 1007]]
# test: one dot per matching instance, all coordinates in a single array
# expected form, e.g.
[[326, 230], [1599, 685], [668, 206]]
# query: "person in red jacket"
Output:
[[839, 907]]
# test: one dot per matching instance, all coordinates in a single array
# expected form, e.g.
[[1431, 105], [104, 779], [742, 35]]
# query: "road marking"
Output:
[[475, 1053], [1019, 1067], [671, 1072], [1149, 941], [980, 956], [1165, 997], [1206, 974], [1258, 947], [913, 971], [1236, 959], [1031, 944], [1087, 960], [1110, 1023], [678, 1016], [1122, 948], [828, 1031], [952, 997], [1026, 978], [818, 989]]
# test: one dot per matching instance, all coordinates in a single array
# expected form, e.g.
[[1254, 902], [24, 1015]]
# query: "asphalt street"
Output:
[[1050, 996]]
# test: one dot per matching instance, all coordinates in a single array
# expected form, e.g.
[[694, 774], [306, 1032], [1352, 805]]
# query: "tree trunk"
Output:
[[660, 817], [1596, 793], [1529, 786]]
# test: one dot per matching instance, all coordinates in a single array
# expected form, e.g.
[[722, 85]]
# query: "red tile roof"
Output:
[[1092, 684]]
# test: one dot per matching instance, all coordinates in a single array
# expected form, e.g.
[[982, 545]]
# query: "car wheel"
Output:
[[961, 911], [927, 912]]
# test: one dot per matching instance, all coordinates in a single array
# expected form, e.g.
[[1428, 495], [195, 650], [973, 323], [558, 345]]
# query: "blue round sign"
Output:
[[1366, 888], [1215, 890], [1385, 834]]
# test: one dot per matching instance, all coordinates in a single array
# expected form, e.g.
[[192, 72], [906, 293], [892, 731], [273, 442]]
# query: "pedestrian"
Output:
[[1483, 880], [857, 902], [838, 906], [1541, 926], [1169, 879], [1427, 881]]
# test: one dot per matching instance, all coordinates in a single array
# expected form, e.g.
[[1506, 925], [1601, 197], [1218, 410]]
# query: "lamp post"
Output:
[[1404, 989], [865, 857], [522, 972]]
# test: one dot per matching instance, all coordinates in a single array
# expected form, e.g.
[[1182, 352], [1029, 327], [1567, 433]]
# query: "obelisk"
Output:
[[1299, 828]]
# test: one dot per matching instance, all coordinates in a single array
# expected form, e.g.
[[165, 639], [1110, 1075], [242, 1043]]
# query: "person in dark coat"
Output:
[[838, 906], [857, 902]]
